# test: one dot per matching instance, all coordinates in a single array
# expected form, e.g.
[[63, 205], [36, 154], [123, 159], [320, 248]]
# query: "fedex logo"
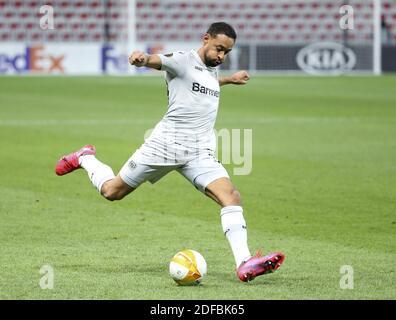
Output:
[[33, 59], [113, 61]]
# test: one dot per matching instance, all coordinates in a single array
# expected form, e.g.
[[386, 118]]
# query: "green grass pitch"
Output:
[[322, 190]]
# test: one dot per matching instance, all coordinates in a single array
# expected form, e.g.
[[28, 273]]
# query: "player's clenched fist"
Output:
[[240, 77], [138, 59]]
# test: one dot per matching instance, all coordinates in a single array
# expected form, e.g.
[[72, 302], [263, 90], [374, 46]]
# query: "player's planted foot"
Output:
[[70, 162], [259, 265]]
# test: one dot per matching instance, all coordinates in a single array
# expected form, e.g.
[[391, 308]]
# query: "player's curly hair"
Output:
[[222, 28]]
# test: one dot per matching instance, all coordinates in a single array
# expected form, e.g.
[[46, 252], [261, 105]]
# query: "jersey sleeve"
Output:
[[174, 63]]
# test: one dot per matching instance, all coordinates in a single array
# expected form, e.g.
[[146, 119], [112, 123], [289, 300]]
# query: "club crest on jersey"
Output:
[[202, 89], [132, 164]]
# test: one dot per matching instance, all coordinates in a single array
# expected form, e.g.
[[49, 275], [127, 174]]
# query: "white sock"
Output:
[[234, 228], [98, 172]]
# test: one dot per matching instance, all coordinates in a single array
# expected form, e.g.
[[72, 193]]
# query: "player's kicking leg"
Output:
[[234, 226], [101, 175]]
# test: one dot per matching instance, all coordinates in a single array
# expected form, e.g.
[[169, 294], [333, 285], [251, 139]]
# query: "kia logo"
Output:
[[326, 58]]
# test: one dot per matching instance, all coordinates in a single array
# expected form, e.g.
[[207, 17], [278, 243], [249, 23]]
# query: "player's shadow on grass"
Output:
[[221, 278], [148, 268], [230, 277], [122, 268]]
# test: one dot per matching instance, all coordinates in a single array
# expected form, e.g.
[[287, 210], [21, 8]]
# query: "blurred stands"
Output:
[[269, 21], [75, 21], [278, 22]]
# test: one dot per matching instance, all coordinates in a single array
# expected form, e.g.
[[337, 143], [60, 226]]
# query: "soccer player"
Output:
[[184, 141]]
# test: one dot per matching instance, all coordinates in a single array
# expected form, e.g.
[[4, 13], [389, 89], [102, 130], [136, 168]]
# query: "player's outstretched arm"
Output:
[[240, 77], [141, 59]]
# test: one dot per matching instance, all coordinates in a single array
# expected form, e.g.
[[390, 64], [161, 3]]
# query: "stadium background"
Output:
[[96, 36], [323, 183]]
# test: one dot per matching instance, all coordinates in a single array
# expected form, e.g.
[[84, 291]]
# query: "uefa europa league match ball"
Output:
[[187, 267]]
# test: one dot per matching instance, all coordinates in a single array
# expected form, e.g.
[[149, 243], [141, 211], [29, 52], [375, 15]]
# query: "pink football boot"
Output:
[[258, 265], [70, 163]]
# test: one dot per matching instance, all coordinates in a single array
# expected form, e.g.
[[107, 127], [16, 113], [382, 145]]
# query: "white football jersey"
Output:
[[186, 130]]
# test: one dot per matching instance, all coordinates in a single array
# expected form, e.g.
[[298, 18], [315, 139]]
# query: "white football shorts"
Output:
[[200, 171]]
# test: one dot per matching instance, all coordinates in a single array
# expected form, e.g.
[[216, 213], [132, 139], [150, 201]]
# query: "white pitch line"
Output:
[[79, 122], [246, 121], [295, 120]]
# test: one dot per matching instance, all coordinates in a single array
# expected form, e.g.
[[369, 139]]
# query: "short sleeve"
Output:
[[174, 63]]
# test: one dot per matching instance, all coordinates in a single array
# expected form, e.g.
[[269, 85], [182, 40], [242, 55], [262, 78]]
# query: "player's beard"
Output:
[[212, 62]]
